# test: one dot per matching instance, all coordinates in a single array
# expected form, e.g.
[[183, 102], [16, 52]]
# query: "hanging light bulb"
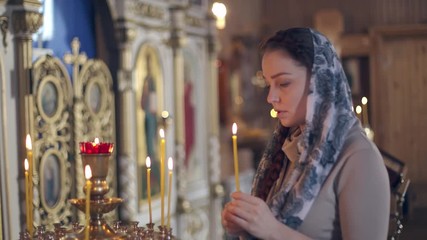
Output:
[[219, 10]]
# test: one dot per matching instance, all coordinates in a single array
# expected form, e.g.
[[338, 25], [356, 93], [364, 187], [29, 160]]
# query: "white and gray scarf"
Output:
[[328, 119]]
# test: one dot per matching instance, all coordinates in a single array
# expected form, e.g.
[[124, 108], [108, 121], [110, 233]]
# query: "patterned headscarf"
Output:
[[329, 117]]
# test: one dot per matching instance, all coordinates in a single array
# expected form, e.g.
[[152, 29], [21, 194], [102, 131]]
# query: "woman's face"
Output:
[[287, 81]]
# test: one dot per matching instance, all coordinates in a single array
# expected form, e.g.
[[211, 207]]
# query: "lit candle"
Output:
[[365, 111], [29, 147], [88, 175], [96, 147], [27, 191], [358, 111], [148, 164], [236, 160], [162, 174], [170, 167]]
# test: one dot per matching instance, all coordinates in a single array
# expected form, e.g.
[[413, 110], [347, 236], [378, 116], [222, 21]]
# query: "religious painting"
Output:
[[94, 96], [49, 97], [194, 104], [189, 108], [356, 69], [149, 105], [352, 71], [50, 179]]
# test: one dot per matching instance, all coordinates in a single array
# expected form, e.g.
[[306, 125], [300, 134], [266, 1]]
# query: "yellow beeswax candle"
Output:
[[170, 166], [365, 111], [148, 164], [88, 175], [236, 159], [358, 112], [162, 175], [27, 200], [29, 147]]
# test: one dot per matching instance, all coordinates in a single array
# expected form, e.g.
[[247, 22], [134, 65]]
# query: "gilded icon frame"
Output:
[[142, 72]]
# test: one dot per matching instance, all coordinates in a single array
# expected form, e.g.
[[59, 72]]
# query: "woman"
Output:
[[320, 176]]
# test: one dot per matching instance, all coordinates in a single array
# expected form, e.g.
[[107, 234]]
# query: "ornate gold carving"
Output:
[[147, 10], [196, 224], [52, 143], [24, 22], [125, 34], [93, 109], [94, 113], [75, 58], [177, 35], [212, 36], [4, 26], [194, 21], [26, 3]]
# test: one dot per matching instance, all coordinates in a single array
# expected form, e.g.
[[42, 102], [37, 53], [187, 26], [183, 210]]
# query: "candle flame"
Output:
[[358, 109], [364, 100], [170, 164], [165, 114], [26, 165], [162, 133], [148, 162], [88, 172], [96, 141], [28, 142], [234, 128]]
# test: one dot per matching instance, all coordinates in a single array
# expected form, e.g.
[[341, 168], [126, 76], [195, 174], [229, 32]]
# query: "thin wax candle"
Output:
[[236, 160], [148, 164], [358, 112], [27, 200], [170, 166], [29, 147], [162, 175], [88, 176], [365, 111]]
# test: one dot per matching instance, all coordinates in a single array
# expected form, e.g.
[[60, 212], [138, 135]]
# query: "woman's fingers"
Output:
[[228, 221], [246, 198]]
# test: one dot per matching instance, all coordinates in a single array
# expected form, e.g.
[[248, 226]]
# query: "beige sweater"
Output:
[[354, 202]]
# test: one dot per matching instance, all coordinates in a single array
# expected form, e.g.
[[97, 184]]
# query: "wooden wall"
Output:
[[359, 15], [399, 98]]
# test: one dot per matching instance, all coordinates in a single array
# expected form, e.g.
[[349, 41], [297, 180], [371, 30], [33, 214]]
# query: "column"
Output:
[[126, 147], [26, 20], [176, 40], [214, 170]]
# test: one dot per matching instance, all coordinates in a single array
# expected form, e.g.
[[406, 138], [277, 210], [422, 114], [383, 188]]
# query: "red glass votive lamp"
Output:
[[96, 148]]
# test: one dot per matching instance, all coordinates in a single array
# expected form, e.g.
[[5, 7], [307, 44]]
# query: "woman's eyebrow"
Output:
[[280, 74]]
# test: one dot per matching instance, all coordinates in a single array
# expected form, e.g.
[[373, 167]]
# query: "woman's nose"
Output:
[[272, 97]]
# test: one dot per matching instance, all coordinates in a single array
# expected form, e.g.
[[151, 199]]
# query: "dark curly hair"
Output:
[[298, 42]]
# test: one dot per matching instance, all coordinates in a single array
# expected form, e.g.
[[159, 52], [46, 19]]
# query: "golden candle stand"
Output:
[[99, 205]]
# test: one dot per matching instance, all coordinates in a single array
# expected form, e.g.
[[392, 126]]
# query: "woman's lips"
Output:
[[280, 113]]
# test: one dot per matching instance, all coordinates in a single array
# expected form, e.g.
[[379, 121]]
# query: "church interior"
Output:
[[128, 106]]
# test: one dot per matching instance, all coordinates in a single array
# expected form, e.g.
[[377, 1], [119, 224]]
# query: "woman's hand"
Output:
[[229, 225], [250, 214]]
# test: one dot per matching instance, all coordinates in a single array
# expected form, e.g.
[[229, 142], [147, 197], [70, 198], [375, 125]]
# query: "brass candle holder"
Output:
[[99, 204], [97, 155]]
